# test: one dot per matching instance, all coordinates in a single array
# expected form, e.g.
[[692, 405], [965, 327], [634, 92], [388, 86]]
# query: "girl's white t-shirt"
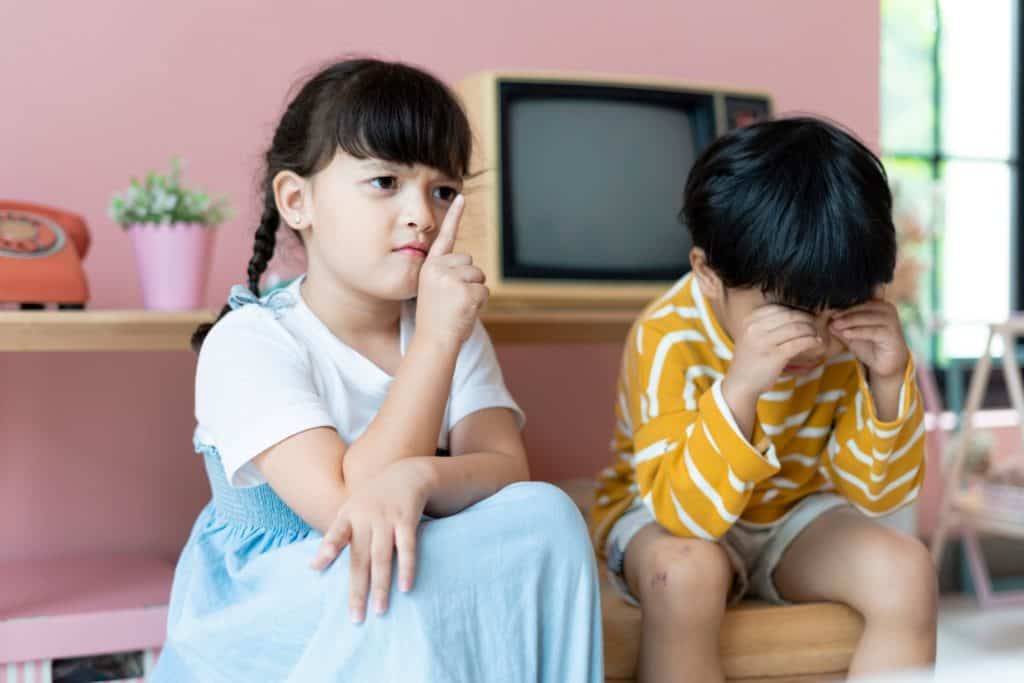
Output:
[[267, 372]]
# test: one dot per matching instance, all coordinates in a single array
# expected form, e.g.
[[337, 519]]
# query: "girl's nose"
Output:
[[418, 215]]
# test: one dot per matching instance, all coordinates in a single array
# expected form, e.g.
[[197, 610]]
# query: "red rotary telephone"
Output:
[[41, 252]]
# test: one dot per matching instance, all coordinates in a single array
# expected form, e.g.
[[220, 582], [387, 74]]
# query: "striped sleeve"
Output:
[[878, 466], [695, 469]]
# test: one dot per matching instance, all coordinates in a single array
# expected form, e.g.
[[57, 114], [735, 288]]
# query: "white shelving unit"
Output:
[[976, 507]]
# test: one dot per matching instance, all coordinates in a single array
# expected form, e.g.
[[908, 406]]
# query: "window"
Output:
[[950, 144]]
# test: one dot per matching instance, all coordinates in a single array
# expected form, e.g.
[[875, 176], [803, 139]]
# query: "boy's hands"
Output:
[[773, 335], [451, 288], [873, 333], [768, 339], [374, 522]]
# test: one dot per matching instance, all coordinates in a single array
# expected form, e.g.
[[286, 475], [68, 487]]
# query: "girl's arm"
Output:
[[409, 419], [305, 471], [450, 295], [487, 455], [381, 520]]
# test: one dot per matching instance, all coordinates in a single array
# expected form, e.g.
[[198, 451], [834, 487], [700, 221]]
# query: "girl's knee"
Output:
[[682, 579], [540, 499], [548, 510]]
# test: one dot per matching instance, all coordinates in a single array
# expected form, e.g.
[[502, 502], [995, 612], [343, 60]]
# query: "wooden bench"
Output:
[[761, 643]]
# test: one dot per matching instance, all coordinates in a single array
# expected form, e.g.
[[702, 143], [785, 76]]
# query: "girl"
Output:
[[321, 408]]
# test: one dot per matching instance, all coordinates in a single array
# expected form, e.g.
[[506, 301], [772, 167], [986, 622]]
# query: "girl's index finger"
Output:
[[445, 242]]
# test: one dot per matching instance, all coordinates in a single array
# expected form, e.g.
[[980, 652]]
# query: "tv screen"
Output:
[[593, 179]]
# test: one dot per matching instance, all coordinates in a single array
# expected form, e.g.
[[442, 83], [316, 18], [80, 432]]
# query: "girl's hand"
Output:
[[451, 288], [873, 333], [374, 522]]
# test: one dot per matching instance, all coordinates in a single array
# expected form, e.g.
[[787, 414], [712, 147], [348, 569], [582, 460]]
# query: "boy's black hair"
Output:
[[368, 108], [796, 207]]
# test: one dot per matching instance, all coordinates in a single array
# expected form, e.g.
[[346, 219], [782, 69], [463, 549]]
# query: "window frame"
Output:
[[954, 377]]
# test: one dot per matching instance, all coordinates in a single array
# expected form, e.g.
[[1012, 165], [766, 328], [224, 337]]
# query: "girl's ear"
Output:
[[707, 279], [291, 194]]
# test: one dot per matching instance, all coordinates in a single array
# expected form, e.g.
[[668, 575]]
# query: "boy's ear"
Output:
[[291, 194], [710, 284]]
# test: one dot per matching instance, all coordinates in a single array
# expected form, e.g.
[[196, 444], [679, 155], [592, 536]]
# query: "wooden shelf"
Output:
[[122, 330], [129, 330], [558, 326], [79, 607]]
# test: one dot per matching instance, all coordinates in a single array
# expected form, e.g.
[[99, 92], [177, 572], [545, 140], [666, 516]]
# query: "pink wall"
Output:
[[94, 449]]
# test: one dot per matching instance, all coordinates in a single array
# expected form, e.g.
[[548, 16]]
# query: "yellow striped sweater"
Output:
[[680, 451]]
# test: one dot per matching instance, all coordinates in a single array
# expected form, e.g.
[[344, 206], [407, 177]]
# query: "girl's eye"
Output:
[[385, 182], [446, 193]]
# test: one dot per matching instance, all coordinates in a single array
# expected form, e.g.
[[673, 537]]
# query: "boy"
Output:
[[767, 409]]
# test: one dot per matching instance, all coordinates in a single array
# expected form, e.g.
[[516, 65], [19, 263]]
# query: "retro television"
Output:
[[578, 180]]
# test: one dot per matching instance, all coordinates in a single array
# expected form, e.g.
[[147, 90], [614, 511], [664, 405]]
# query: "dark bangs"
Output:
[[396, 113]]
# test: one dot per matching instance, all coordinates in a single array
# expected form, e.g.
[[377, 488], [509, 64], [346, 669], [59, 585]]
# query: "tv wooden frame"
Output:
[[481, 228]]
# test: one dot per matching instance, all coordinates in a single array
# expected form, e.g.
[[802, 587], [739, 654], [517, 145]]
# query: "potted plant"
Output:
[[172, 230]]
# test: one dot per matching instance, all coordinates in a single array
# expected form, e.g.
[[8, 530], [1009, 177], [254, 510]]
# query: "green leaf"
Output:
[[161, 199]]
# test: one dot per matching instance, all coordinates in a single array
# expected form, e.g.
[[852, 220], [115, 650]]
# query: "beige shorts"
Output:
[[754, 552]]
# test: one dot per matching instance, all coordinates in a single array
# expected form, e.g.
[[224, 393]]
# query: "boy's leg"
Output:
[[682, 585], [886, 576]]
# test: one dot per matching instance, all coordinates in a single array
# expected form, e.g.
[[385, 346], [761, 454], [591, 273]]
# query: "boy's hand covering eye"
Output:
[[874, 335]]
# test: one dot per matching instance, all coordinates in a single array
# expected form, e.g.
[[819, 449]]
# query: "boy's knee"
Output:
[[682, 579], [901, 584]]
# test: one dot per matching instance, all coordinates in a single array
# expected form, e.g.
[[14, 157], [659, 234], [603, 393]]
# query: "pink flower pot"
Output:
[[173, 262]]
